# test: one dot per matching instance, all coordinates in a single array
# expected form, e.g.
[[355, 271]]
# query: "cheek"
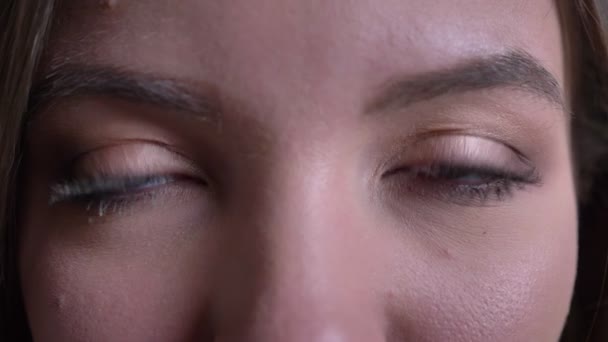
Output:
[[515, 287], [71, 298], [111, 287]]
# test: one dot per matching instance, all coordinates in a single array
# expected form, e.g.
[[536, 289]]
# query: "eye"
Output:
[[462, 170], [106, 187], [461, 183], [112, 178]]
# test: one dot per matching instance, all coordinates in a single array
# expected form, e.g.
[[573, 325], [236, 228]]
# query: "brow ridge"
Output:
[[81, 80], [516, 69]]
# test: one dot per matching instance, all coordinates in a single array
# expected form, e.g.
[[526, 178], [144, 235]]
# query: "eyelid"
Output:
[[459, 149], [117, 176], [140, 158], [425, 169]]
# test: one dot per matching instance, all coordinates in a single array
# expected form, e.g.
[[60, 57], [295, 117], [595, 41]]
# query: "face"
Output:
[[300, 171]]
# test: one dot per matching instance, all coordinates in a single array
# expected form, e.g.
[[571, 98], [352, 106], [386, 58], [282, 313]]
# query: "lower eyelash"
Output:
[[102, 207], [100, 197], [498, 190]]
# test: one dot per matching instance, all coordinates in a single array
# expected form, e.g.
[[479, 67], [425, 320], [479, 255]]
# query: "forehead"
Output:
[[250, 44]]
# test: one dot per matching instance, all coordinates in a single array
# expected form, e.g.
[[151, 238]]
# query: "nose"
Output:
[[299, 265]]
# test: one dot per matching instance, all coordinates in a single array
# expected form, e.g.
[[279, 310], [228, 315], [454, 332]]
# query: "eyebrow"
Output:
[[515, 69], [71, 80]]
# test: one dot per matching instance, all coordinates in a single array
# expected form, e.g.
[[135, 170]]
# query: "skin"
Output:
[[284, 228]]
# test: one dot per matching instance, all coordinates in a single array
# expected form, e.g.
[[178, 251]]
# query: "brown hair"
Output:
[[587, 31], [25, 23]]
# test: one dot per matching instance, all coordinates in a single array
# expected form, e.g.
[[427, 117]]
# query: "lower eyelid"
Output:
[[481, 196]]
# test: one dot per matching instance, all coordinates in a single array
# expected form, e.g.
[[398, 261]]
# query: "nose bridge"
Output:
[[299, 231], [308, 226], [298, 260]]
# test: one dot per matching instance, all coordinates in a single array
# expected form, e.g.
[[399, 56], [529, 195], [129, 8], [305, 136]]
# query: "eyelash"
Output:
[[460, 184], [463, 184], [108, 194]]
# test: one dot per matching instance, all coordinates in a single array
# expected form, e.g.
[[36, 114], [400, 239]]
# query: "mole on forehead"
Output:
[[108, 3]]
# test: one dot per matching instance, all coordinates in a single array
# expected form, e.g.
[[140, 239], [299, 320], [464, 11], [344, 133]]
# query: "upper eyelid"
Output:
[[430, 136], [402, 152], [126, 142], [180, 161]]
